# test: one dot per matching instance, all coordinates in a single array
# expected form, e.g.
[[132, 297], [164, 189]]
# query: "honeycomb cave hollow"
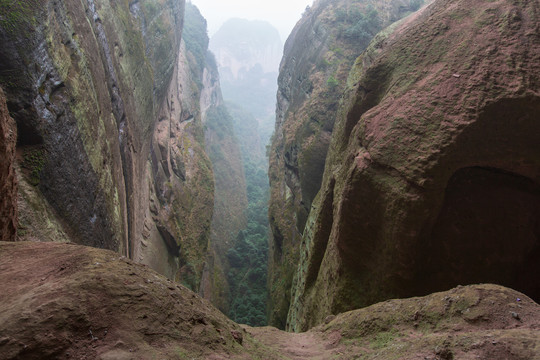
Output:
[[488, 230]]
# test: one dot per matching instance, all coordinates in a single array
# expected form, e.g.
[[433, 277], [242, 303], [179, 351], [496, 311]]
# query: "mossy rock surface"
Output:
[[318, 57], [433, 164]]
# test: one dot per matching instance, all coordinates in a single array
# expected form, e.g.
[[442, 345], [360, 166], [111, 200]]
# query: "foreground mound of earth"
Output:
[[63, 301]]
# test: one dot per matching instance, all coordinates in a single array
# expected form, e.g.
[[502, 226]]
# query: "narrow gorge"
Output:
[[370, 189]]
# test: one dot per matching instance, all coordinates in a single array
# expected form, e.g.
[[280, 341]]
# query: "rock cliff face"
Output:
[[432, 177], [111, 144], [84, 83], [80, 83], [177, 222], [8, 180], [112, 108], [211, 206], [313, 74]]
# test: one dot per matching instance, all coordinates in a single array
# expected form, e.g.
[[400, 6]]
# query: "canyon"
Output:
[[404, 197]]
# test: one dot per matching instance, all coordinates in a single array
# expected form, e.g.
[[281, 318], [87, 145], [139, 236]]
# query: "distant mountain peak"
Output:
[[240, 44]]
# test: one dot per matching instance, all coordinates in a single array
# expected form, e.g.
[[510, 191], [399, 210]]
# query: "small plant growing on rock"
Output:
[[332, 82], [33, 162], [13, 14]]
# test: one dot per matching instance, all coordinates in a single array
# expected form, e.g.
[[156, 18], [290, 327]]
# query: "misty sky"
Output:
[[283, 14]]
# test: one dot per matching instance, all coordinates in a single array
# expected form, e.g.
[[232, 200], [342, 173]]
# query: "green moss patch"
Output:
[[33, 162]]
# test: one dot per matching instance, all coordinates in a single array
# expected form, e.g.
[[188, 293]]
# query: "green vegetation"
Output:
[[332, 82], [194, 34], [248, 257], [33, 162], [383, 339], [247, 275], [359, 25], [13, 14], [189, 278], [218, 120]]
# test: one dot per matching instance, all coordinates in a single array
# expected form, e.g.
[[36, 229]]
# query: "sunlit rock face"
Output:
[[8, 181], [432, 177], [318, 57]]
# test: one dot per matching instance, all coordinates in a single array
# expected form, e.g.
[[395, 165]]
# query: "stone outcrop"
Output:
[[69, 301], [432, 177], [313, 75], [8, 180]]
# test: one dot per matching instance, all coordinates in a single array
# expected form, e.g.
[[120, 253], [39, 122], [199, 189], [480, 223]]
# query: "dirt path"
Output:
[[308, 345]]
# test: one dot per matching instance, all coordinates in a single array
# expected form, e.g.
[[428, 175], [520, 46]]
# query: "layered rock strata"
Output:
[[84, 82]]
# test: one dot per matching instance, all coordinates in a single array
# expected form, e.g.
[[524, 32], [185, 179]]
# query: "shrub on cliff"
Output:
[[362, 25]]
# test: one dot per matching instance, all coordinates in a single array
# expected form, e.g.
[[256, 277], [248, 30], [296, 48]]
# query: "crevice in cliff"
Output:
[[395, 173], [277, 240], [320, 242], [119, 115], [369, 94], [170, 240]]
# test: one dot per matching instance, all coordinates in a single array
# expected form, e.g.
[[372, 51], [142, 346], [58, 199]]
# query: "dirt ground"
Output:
[[65, 301]]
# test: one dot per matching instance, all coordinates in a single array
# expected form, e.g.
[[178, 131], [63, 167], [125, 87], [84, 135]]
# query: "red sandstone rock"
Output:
[[432, 179]]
